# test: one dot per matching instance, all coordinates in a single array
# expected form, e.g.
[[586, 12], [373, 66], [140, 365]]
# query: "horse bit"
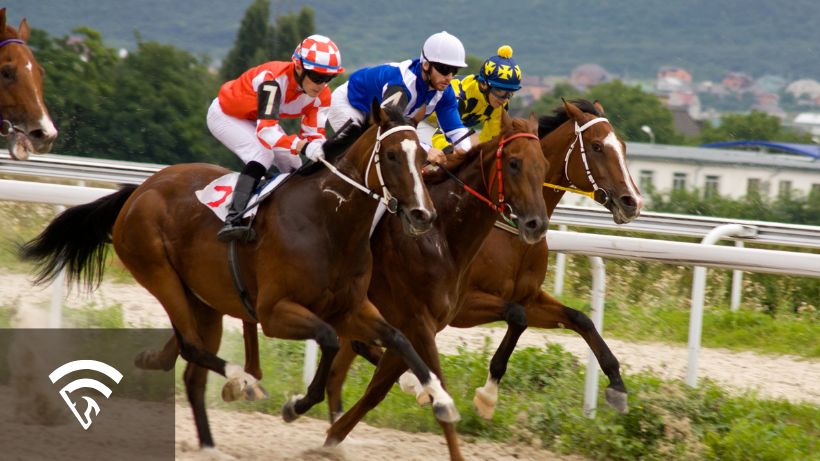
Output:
[[6, 127]]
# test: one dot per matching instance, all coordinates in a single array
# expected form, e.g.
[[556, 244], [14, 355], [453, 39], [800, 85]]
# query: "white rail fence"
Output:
[[701, 256]]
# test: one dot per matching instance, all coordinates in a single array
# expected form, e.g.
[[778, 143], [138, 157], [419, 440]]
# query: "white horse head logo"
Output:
[[91, 404]]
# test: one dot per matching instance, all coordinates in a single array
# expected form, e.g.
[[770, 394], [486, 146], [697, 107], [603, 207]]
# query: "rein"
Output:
[[501, 206], [597, 194], [6, 127], [386, 198]]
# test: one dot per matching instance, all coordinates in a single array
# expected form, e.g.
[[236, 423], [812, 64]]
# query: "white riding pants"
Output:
[[239, 135]]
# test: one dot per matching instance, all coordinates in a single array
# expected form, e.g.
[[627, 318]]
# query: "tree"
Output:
[[756, 125], [629, 108], [252, 41]]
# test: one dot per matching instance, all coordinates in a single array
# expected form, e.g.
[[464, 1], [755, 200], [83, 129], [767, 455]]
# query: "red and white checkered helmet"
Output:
[[319, 54]]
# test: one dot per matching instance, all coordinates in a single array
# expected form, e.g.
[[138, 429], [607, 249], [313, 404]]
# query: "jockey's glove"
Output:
[[313, 150]]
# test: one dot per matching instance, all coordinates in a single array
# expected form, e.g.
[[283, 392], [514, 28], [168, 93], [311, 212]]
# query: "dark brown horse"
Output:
[[24, 119], [505, 278], [306, 274], [418, 282]]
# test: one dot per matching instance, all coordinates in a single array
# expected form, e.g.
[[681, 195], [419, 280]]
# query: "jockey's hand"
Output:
[[436, 156], [459, 151], [301, 145], [313, 150]]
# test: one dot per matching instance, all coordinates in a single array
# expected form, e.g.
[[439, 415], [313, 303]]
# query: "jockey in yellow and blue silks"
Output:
[[482, 96]]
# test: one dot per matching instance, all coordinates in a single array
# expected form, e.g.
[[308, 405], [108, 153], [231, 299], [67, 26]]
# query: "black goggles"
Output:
[[318, 77], [445, 69], [501, 94]]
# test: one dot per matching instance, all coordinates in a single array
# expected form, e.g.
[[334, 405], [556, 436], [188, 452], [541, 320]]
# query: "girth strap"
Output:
[[236, 276]]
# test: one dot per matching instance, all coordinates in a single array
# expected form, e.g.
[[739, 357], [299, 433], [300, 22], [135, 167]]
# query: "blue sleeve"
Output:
[[369, 83], [447, 112]]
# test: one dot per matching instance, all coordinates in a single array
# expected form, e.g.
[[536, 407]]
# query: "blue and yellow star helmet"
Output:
[[501, 71]]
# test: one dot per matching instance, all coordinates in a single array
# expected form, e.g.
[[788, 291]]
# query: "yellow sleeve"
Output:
[[492, 127]]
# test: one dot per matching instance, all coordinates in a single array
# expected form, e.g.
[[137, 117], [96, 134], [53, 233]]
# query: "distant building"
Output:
[[671, 79], [737, 81], [532, 88], [588, 75], [805, 88]]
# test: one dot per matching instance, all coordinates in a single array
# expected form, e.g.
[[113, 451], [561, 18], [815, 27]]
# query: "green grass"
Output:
[[744, 330], [541, 404]]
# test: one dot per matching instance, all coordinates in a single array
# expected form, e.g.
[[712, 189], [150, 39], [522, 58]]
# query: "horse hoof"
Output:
[[446, 413], [255, 392], [617, 400], [289, 409], [232, 390], [484, 403]]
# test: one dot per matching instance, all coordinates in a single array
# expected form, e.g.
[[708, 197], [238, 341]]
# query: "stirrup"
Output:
[[231, 231]]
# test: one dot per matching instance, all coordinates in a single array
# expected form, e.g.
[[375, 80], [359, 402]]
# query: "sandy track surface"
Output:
[[786, 377]]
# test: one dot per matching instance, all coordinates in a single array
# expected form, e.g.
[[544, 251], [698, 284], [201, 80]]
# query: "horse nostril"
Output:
[[628, 201], [533, 224], [420, 215], [37, 134]]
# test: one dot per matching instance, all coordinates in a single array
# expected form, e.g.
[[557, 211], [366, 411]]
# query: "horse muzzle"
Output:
[[624, 208], [416, 221], [533, 229]]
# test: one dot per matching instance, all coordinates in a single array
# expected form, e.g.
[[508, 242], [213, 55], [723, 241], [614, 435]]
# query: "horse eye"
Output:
[[7, 73], [391, 155], [515, 164], [597, 147]]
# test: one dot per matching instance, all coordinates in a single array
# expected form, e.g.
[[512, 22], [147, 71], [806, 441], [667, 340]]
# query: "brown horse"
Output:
[[24, 119], [306, 274], [506, 276], [418, 282]]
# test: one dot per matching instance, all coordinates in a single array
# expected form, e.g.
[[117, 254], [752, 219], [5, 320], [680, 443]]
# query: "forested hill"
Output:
[[630, 38]]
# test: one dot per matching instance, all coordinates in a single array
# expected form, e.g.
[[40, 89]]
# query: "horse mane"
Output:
[[338, 144], [548, 123]]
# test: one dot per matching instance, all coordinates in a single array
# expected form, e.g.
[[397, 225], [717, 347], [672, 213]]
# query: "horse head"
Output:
[[522, 171], [394, 167], [595, 161], [24, 118]]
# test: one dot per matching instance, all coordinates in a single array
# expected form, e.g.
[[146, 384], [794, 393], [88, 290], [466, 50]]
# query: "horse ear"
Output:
[[598, 107], [376, 112], [506, 120], [23, 30], [2, 21], [533, 123], [572, 110]]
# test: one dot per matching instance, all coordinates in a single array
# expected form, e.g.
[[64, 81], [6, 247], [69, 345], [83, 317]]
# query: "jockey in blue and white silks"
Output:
[[411, 83]]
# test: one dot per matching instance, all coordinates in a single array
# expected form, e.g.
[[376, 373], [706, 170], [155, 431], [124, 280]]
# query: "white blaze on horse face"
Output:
[[29, 66], [614, 143], [409, 147]]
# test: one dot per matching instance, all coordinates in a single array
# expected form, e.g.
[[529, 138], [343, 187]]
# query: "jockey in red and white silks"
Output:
[[245, 117]]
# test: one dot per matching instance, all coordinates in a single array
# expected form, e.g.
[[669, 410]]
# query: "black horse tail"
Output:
[[77, 238]]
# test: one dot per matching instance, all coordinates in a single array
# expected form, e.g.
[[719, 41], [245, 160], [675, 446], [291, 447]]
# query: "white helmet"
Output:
[[444, 48]]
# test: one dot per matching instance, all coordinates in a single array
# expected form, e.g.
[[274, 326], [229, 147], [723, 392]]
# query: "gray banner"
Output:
[[76, 395]]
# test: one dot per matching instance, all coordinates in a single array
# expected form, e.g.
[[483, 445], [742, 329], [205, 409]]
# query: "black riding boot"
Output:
[[234, 228]]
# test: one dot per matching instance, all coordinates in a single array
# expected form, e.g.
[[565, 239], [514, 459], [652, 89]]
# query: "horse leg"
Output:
[[546, 312], [209, 327], [367, 324], [250, 335], [391, 366], [162, 281], [338, 373], [163, 359], [290, 320]]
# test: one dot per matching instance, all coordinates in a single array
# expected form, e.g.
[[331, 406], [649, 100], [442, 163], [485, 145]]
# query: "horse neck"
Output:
[[554, 146], [467, 219]]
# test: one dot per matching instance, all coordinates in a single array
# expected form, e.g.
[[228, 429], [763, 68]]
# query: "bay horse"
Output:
[[306, 274], [24, 118], [418, 282], [585, 155]]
